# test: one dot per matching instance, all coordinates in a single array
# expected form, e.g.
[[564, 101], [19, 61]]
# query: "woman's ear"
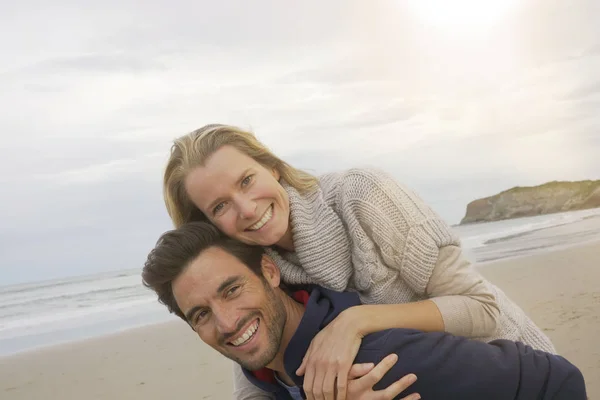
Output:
[[270, 271], [275, 173]]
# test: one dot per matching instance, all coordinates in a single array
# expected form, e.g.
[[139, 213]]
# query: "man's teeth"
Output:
[[265, 218], [246, 336]]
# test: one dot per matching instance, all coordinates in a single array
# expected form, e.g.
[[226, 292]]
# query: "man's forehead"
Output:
[[207, 273], [214, 265], [217, 257]]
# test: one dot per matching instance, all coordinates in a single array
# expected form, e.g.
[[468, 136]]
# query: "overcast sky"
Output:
[[457, 102]]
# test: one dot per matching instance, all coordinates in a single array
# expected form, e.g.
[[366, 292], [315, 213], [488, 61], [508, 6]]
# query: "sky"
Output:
[[456, 101]]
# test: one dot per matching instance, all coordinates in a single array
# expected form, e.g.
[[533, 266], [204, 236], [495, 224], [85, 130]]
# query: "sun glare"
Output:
[[461, 16]]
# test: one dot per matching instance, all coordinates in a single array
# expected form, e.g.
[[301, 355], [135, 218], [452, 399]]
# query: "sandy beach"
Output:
[[559, 290]]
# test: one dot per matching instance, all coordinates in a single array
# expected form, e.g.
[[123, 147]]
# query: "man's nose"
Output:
[[227, 321]]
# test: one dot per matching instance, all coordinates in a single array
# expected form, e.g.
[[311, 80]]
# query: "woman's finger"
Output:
[[359, 370], [309, 378], [328, 388], [302, 368], [342, 381], [317, 386]]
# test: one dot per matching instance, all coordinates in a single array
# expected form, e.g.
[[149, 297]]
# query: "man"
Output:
[[230, 294]]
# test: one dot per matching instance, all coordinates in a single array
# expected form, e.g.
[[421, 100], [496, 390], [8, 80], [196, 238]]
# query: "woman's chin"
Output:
[[255, 239]]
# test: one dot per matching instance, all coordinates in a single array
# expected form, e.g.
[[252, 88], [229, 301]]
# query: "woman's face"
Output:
[[241, 197]]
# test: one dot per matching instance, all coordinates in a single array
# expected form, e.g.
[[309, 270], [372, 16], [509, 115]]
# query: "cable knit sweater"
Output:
[[362, 231]]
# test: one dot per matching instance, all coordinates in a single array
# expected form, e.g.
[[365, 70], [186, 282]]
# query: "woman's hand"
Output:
[[329, 357], [363, 377], [328, 360]]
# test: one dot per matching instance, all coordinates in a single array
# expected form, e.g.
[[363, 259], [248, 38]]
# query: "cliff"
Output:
[[551, 197]]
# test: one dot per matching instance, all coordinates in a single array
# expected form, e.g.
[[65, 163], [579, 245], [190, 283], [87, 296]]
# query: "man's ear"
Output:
[[270, 271]]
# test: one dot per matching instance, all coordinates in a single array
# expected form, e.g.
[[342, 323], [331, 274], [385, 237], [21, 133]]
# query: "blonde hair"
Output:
[[192, 150]]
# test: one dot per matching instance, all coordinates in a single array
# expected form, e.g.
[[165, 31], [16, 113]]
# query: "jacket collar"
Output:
[[321, 307]]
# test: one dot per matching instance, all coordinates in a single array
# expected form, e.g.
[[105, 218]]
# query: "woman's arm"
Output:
[[457, 293], [391, 225], [464, 298], [412, 239], [421, 315]]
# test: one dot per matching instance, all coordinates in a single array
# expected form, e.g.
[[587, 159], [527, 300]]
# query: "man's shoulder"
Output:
[[399, 336]]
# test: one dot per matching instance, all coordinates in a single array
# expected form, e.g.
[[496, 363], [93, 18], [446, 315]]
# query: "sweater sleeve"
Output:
[[414, 240], [243, 389], [462, 295]]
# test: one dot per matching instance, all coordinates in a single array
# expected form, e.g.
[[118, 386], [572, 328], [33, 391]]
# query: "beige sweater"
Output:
[[364, 232]]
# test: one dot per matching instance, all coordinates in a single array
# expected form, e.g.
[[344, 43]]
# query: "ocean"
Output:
[[46, 313]]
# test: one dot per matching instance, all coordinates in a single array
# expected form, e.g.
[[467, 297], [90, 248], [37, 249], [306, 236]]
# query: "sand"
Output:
[[559, 290]]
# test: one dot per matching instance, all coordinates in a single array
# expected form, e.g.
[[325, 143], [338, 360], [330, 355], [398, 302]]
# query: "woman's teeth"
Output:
[[265, 218], [247, 335]]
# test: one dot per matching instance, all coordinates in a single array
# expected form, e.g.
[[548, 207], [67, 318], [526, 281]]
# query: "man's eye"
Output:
[[200, 316], [233, 290], [247, 180]]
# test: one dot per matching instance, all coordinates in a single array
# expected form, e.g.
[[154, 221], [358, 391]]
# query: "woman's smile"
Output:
[[266, 217]]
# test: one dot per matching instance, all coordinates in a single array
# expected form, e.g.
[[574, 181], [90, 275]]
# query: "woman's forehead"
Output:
[[227, 158], [221, 172]]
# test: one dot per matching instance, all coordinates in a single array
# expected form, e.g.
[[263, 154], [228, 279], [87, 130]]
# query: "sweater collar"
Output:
[[321, 242]]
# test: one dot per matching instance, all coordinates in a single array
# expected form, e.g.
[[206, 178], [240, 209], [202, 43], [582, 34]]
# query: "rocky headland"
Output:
[[551, 197]]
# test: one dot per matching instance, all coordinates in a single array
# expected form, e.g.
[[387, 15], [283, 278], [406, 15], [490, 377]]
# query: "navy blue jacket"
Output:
[[447, 366]]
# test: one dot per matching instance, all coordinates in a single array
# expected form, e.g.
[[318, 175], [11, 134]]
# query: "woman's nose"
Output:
[[246, 208]]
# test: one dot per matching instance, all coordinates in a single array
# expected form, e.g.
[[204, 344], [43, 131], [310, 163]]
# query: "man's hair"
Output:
[[177, 248]]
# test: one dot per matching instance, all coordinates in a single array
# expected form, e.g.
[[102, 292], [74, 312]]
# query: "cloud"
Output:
[[126, 169], [92, 96], [98, 63], [583, 91]]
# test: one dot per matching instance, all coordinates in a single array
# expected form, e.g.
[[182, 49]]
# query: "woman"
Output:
[[357, 230]]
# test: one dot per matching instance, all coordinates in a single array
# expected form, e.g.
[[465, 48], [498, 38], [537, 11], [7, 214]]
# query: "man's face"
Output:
[[232, 309]]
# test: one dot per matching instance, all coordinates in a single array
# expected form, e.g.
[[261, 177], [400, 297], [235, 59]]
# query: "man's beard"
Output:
[[275, 318]]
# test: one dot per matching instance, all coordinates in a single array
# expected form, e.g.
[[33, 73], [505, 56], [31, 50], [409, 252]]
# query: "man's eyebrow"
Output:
[[190, 313], [226, 283]]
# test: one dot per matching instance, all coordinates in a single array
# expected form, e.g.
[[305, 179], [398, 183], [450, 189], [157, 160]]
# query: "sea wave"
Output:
[[478, 235]]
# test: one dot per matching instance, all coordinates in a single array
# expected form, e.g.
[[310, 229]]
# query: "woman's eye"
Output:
[[218, 208], [247, 180]]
